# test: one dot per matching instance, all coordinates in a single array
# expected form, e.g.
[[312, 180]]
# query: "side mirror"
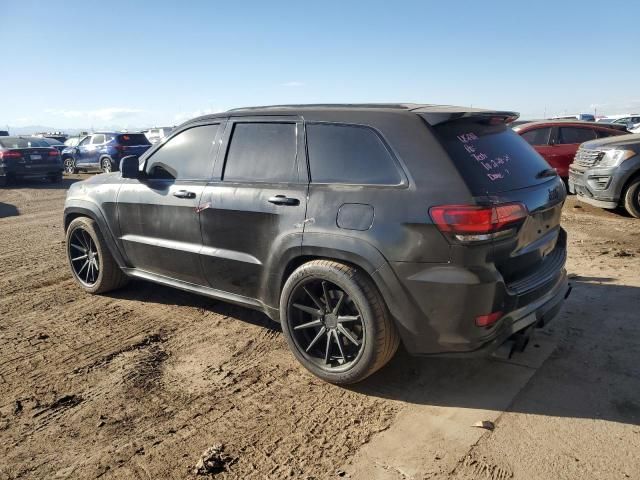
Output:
[[130, 167]]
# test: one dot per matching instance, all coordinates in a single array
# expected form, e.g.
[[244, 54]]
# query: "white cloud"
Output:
[[103, 114], [293, 84]]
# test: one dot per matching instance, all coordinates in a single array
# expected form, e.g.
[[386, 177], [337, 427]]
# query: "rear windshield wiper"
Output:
[[547, 172]]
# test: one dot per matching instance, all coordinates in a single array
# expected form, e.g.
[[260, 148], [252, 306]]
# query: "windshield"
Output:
[[131, 139], [491, 158], [20, 142]]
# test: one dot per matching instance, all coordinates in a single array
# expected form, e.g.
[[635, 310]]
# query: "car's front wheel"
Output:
[[336, 322], [70, 165], [92, 265], [632, 198]]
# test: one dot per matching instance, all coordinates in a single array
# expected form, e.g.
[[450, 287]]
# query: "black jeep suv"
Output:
[[354, 226]]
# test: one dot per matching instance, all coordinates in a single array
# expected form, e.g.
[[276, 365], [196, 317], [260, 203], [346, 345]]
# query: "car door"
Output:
[[82, 151], [158, 214], [567, 142], [253, 213], [92, 151]]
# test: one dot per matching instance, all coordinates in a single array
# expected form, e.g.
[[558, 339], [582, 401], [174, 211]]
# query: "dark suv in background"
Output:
[[606, 173], [355, 226], [103, 151]]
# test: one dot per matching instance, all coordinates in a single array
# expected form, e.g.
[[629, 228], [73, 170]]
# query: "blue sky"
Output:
[[133, 63]]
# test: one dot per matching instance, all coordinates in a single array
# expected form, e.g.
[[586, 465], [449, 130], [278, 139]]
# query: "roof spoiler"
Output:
[[436, 116]]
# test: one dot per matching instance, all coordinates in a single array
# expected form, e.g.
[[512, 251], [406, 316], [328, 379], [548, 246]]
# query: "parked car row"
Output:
[[599, 161], [558, 140]]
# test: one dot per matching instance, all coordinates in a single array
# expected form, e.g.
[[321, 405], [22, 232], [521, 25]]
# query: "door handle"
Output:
[[184, 194], [283, 200]]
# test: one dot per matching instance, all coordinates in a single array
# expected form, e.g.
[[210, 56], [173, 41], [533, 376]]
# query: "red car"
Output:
[[558, 140]]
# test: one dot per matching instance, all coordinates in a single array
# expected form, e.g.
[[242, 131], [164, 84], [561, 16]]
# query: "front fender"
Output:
[[83, 208]]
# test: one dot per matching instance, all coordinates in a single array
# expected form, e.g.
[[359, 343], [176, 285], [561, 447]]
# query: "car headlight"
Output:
[[613, 158]]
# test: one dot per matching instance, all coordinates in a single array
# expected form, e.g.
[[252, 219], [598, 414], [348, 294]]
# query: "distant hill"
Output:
[[30, 129]]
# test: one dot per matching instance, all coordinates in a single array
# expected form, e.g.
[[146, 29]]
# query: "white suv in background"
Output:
[[632, 121], [156, 134]]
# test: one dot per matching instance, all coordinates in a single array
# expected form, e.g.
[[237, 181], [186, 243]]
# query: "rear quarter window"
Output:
[[537, 136], [349, 154], [491, 158]]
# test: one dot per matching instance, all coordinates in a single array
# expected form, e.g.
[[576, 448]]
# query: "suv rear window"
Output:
[[18, 142], [491, 158], [131, 139]]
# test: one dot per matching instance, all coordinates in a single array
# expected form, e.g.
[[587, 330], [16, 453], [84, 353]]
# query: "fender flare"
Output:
[[81, 208], [348, 249]]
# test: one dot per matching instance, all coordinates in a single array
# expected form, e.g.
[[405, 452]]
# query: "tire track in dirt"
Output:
[[164, 374]]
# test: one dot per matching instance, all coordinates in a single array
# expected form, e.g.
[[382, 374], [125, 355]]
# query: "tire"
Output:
[[83, 232], [106, 165], [55, 178], [369, 322], [632, 198], [69, 165]]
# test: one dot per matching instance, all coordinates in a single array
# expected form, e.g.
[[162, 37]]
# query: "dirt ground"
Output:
[[138, 383]]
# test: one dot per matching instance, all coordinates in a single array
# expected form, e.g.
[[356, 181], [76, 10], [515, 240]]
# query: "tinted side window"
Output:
[[187, 156], [349, 154], [575, 135], [539, 136], [262, 152]]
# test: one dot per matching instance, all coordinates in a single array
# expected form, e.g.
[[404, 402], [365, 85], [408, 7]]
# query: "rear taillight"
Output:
[[488, 320], [470, 223], [53, 153], [121, 148], [10, 154]]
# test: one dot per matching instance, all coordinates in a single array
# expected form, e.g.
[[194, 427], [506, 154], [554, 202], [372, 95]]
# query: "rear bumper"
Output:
[[27, 171], [435, 306]]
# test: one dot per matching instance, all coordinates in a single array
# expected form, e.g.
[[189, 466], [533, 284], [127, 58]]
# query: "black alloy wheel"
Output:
[[326, 325], [84, 257]]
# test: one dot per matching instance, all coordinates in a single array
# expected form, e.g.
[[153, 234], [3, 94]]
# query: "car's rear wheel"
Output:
[[336, 322], [92, 265], [106, 165], [70, 165], [632, 198]]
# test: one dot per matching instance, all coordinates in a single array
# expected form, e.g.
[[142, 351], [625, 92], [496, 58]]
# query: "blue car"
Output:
[[103, 151]]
